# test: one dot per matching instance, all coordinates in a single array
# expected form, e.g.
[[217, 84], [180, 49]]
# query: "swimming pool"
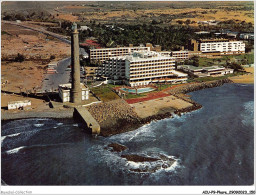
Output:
[[139, 90]]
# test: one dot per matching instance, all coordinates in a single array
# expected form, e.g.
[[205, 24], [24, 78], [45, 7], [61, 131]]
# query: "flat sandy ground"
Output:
[[197, 14], [247, 78], [36, 48], [38, 104], [159, 106], [31, 44], [29, 74]]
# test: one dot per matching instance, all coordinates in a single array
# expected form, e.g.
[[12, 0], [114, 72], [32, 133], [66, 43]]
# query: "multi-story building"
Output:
[[218, 46], [210, 48], [100, 55], [223, 46], [185, 54], [113, 68], [143, 68]]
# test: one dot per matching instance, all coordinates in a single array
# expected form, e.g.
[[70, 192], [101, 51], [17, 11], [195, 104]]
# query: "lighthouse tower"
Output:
[[76, 92]]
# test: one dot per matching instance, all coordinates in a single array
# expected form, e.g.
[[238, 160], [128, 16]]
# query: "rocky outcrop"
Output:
[[115, 147], [189, 109], [198, 86], [137, 158], [145, 164], [156, 117]]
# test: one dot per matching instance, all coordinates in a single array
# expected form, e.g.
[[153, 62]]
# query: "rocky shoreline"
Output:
[[144, 163], [197, 86], [117, 116], [124, 126]]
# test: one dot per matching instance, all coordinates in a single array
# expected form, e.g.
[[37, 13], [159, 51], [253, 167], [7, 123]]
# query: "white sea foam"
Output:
[[247, 114], [38, 125], [15, 150], [59, 124], [173, 167], [75, 125], [11, 135], [142, 133], [2, 139]]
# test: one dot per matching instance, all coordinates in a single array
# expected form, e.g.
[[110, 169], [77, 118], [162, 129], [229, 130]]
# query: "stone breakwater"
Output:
[[114, 117]]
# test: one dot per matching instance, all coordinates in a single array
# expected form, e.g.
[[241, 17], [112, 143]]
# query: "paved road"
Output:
[[52, 81], [62, 76]]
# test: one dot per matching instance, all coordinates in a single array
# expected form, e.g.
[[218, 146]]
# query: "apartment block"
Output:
[[185, 54], [113, 68], [100, 55], [143, 68], [223, 46]]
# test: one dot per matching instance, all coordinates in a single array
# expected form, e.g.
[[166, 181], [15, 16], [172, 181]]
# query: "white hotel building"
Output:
[[223, 46], [113, 68], [103, 54], [142, 68]]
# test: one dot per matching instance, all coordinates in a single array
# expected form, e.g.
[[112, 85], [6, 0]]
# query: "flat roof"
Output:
[[24, 101], [118, 48], [67, 86], [147, 56], [179, 73], [213, 67], [192, 67], [213, 40]]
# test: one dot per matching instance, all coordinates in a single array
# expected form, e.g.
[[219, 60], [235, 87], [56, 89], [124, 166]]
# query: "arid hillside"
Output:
[[126, 11]]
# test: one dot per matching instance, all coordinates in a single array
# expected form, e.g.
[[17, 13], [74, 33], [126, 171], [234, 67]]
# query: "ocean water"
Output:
[[212, 146]]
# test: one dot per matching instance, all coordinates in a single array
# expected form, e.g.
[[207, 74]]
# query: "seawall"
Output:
[[118, 116], [190, 87]]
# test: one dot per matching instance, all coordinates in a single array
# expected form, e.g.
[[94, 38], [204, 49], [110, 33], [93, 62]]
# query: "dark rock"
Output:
[[117, 147], [137, 158]]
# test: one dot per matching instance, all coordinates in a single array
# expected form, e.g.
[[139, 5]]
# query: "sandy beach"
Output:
[[246, 78], [159, 106]]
